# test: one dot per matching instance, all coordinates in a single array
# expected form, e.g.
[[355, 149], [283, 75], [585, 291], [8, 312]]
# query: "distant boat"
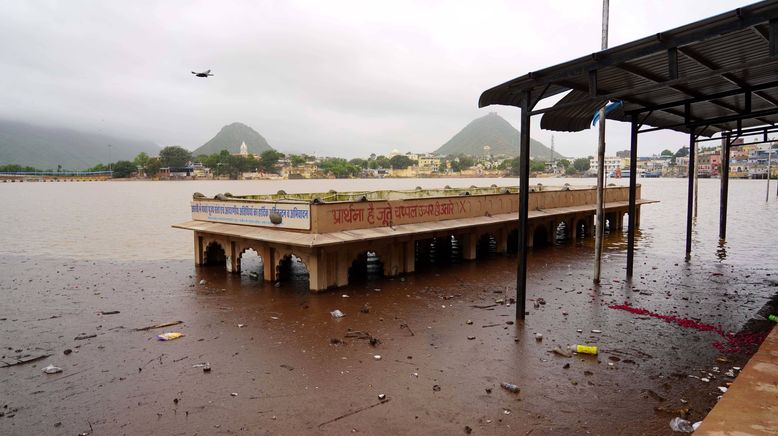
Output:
[[652, 174]]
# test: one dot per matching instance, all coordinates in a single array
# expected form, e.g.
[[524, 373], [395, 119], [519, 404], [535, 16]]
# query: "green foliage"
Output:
[[564, 163], [268, 160], [570, 171], [174, 156], [682, 152], [666, 152], [338, 167], [382, 162], [16, 168], [401, 162], [537, 166], [581, 164], [296, 160], [123, 169], [141, 159], [152, 166], [361, 163]]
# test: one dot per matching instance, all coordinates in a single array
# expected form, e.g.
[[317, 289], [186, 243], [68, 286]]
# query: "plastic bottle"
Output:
[[511, 387], [586, 349], [773, 318]]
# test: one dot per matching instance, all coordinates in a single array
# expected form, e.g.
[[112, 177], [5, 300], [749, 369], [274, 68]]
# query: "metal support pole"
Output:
[[691, 195], [696, 178], [521, 276], [724, 175], [600, 226], [633, 176], [769, 164]]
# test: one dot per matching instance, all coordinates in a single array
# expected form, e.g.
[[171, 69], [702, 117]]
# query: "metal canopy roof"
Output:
[[717, 74]]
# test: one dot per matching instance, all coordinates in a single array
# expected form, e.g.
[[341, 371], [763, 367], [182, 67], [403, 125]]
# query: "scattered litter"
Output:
[[723, 389], [559, 351], [773, 318], [579, 330], [470, 338], [511, 387], [681, 425], [382, 397], [377, 357], [159, 326], [240, 326], [469, 322], [538, 337], [274, 317], [406, 326], [337, 314], [108, 312], [586, 349], [234, 394], [67, 351], [287, 367], [344, 296], [366, 308], [202, 282], [169, 336], [506, 412], [416, 374], [23, 360], [436, 388], [81, 337], [705, 379], [51, 369], [596, 331], [541, 301]]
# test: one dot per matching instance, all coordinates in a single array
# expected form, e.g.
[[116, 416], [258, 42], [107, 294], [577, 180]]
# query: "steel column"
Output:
[[690, 194], [724, 177], [521, 276], [633, 170]]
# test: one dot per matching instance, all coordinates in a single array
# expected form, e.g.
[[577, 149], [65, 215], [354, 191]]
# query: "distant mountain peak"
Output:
[[494, 132], [231, 138]]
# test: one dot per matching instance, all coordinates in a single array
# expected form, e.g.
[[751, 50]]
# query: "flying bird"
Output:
[[205, 73]]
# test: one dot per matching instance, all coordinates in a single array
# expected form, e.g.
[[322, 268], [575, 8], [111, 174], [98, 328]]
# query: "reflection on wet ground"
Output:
[[446, 338]]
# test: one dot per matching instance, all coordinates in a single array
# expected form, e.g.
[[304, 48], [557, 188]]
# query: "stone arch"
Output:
[[513, 241], [292, 267], [251, 263], [367, 265], [562, 230], [540, 236], [214, 253], [582, 227], [486, 245]]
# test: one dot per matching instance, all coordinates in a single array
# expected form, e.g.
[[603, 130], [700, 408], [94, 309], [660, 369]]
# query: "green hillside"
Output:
[[231, 137], [494, 131], [47, 147]]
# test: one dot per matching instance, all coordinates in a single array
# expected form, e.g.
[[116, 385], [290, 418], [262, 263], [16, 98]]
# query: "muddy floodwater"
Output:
[[437, 343]]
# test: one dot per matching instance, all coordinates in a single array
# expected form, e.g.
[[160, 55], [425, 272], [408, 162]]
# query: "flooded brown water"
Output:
[[72, 250]]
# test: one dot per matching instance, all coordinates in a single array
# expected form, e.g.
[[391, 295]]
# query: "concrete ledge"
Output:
[[750, 406]]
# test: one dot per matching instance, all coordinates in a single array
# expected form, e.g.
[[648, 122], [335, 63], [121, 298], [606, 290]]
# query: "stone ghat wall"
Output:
[[326, 217], [331, 217]]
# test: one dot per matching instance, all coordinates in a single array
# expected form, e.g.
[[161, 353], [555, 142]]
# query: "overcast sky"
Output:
[[334, 78]]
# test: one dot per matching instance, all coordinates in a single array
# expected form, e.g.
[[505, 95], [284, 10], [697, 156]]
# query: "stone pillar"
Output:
[[268, 262], [502, 240], [233, 265], [637, 217], [409, 258], [198, 249], [531, 236], [573, 229], [317, 275], [469, 243], [343, 264]]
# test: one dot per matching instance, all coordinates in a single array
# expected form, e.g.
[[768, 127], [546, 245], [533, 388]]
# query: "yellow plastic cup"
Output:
[[586, 349]]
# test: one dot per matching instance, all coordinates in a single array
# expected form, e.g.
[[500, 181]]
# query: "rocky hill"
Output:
[[230, 138], [47, 147], [494, 131]]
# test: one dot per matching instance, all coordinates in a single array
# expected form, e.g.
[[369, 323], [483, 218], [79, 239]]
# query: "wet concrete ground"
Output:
[[294, 369]]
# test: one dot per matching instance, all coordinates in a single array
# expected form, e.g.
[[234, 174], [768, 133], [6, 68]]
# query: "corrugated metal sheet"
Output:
[[637, 72]]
